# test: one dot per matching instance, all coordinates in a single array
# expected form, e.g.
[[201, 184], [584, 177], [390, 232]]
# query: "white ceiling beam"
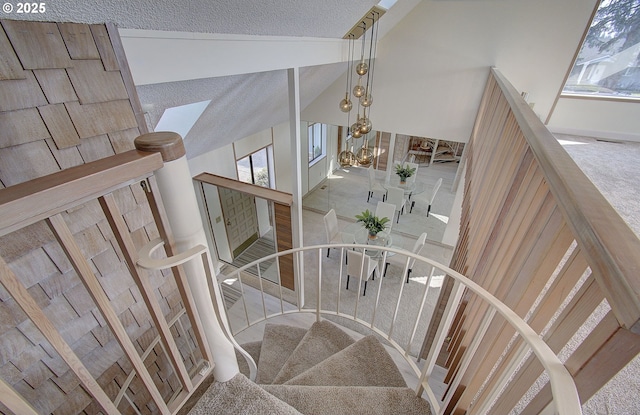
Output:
[[157, 56]]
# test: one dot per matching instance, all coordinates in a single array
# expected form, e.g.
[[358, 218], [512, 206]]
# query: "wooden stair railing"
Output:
[[46, 199], [537, 234]]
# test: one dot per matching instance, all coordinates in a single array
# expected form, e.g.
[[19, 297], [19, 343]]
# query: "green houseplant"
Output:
[[372, 223], [404, 171]]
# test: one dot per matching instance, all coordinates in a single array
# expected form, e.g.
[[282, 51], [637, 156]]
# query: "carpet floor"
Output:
[[322, 371]]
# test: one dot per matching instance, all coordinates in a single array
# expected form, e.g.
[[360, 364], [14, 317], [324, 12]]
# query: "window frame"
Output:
[[564, 93], [313, 141], [270, 169]]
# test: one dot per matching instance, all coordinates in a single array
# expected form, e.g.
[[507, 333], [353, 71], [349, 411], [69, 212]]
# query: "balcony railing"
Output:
[[537, 234], [389, 300]]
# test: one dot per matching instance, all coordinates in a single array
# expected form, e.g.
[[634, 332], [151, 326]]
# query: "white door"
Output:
[[241, 219]]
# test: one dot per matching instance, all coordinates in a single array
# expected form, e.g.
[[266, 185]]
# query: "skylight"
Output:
[[387, 4], [181, 119]]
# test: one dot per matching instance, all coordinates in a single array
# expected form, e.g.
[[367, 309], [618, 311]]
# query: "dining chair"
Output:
[[362, 265], [422, 239], [435, 189], [374, 186], [386, 210], [417, 246], [395, 196], [331, 229]]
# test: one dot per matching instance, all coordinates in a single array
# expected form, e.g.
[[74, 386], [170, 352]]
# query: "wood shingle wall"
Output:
[[67, 98]]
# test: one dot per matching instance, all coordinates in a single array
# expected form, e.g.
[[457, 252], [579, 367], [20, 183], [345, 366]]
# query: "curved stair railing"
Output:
[[146, 261], [262, 300]]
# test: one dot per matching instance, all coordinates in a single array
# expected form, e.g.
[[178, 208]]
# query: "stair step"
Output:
[[353, 400], [253, 348], [242, 397], [364, 363], [278, 343], [321, 341]]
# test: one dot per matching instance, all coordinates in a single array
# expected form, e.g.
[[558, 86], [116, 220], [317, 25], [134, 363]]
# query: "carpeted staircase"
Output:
[[314, 372]]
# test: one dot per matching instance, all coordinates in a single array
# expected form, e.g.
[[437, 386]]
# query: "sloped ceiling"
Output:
[[240, 105], [327, 18]]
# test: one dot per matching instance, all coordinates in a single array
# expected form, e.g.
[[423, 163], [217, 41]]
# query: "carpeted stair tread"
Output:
[[240, 396], [364, 363], [351, 400], [321, 341], [253, 348], [278, 343]]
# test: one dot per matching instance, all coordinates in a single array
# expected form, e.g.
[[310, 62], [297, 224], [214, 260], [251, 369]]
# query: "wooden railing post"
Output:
[[183, 215]]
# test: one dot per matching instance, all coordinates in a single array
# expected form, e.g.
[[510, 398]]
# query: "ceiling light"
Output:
[[364, 69]]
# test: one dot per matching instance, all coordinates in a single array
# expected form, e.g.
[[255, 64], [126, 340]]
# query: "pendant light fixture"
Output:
[[365, 155], [362, 91], [346, 104], [346, 158]]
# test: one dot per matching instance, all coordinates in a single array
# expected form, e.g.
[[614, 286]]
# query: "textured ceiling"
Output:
[[311, 18], [240, 105]]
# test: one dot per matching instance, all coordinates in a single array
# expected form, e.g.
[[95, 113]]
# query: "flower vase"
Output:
[[373, 236]]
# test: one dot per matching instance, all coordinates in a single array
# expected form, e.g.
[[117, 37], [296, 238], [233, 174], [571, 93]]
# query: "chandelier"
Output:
[[362, 91]]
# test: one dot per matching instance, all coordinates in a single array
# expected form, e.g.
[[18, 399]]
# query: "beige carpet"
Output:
[[364, 363], [240, 396], [320, 342], [279, 343], [614, 168], [353, 400], [354, 378]]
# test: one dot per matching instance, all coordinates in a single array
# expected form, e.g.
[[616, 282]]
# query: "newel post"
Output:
[[180, 203]]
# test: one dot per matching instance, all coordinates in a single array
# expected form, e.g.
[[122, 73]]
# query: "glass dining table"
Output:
[[356, 233], [410, 188]]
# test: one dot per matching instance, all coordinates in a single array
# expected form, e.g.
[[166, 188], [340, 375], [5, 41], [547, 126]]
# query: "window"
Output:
[[317, 141], [607, 64], [256, 168]]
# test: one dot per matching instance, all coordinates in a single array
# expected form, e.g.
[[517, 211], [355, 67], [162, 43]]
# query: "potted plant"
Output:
[[372, 223], [404, 171]]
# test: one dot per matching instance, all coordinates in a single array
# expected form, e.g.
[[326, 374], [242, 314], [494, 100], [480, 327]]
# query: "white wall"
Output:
[[216, 227], [251, 144], [282, 157], [264, 219], [597, 118], [432, 67], [158, 56], [220, 161], [323, 167]]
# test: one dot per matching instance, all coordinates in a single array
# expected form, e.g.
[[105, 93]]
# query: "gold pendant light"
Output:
[[364, 69]]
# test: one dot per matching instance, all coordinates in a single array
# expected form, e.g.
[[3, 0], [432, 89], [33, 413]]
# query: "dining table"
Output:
[[410, 188], [356, 233]]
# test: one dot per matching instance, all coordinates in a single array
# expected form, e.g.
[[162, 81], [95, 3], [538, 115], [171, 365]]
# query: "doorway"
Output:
[[241, 219]]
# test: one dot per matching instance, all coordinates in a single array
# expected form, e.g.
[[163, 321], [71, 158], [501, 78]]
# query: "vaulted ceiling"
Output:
[[433, 60], [241, 105]]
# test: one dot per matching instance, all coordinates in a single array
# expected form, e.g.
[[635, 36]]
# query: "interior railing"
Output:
[[538, 235], [48, 199], [397, 311]]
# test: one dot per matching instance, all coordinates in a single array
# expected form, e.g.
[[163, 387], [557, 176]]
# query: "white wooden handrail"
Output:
[[199, 251], [147, 262], [566, 399]]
